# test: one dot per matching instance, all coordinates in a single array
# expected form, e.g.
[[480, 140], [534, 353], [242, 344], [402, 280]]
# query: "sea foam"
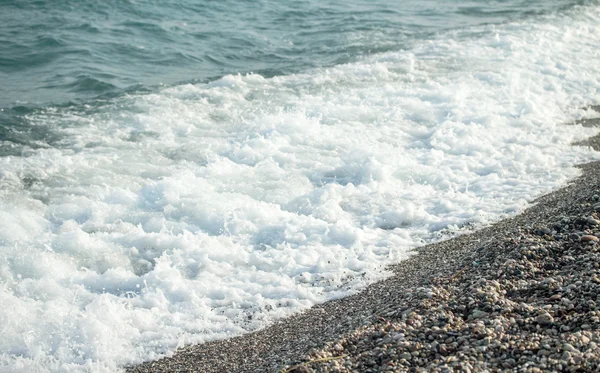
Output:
[[205, 211]]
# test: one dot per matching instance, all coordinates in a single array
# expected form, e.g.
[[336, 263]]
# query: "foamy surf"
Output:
[[204, 211]]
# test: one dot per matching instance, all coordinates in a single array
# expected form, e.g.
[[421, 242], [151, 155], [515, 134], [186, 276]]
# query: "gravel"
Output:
[[521, 295]]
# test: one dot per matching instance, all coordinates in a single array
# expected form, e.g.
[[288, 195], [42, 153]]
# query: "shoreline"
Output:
[[361, 332]]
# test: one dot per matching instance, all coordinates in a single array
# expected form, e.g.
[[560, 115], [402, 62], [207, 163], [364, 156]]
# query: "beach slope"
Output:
[[521, 293]]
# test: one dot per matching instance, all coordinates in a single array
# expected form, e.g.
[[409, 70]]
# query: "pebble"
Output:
[[592, 221], [479, 314], [588, 238], [543, 231], [569, 347], [544, 318]]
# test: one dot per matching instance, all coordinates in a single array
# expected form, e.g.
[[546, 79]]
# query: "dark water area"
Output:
[[55, 52]]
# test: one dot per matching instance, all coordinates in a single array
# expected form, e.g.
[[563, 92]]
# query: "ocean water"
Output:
[[174, 172]]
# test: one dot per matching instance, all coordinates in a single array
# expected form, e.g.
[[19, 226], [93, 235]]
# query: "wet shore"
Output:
[[520, 294]]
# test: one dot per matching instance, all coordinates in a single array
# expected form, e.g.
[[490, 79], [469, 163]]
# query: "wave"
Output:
[[169, 42]]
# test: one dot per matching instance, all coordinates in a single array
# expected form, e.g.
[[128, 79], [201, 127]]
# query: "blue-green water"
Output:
[[61, 51]]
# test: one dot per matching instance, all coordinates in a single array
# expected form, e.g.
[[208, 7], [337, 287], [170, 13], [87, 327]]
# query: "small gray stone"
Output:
[[543, 231], [574, 236], [398, 336], [544, 319], [405, 356], [477, 314], [592, 221]]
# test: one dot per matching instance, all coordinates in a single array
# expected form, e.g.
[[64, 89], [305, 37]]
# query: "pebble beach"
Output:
[[520, 295]]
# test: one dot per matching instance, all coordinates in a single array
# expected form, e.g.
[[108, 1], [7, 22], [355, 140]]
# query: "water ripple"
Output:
[[149, 43]]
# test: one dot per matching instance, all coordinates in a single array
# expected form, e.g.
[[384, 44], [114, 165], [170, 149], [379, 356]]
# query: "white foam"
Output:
[[205, 211]]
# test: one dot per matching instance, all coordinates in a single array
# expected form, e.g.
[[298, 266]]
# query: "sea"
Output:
[[175, 172]]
